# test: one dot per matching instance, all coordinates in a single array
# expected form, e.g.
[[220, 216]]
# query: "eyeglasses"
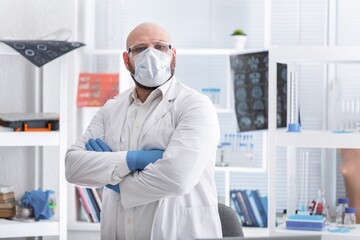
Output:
[[138, 48]]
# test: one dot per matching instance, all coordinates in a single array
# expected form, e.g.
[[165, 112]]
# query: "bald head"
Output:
[[150, 35], [146, 32]]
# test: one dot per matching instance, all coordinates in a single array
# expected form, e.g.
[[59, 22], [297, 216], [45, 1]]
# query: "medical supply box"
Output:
[[30, 122], [305, 222]]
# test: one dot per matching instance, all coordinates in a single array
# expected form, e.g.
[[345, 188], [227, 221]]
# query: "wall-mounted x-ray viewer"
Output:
[[250, 77], [249, 74]]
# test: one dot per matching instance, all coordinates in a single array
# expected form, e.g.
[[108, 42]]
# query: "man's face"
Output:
[[147, 35], [172, 52]]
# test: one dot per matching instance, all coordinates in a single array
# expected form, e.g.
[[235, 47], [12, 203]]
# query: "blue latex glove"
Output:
[[39, 201], [138, 160], [99, 145]]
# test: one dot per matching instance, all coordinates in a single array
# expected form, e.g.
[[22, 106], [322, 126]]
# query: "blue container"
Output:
[[305, 222]]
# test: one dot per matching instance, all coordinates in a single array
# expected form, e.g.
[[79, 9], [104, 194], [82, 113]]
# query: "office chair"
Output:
[[230, 223]]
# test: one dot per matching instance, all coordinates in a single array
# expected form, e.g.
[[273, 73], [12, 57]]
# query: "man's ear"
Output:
[[173, 62], [126, 59]]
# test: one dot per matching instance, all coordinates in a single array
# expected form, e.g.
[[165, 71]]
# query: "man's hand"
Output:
[[138, 160], [99, 145]]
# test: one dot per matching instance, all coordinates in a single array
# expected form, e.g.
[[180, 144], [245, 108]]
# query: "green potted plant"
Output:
[[238, 38]]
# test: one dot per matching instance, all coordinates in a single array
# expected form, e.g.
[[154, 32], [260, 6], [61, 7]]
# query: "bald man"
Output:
[[153, 147]]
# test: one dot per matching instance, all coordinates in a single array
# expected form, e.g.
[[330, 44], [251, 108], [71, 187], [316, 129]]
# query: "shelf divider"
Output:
[[11, 139], [11, 229], [318, 139]]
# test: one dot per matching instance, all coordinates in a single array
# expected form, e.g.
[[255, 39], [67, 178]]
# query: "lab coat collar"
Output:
[[170, 89], [170, 92], [163, 90]]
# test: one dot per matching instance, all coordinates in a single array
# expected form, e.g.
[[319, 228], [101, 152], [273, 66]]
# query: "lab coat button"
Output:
[[129, 220]]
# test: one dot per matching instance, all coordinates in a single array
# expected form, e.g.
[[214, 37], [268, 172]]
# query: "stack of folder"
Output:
[[305, 222], [7, 202], [90, 204], [251, 207]]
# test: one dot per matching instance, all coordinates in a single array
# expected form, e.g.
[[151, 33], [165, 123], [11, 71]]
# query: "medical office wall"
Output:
[[200, 31], [37, 163]]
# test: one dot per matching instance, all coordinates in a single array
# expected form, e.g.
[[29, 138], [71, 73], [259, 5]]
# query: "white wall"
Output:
[[30, 20]]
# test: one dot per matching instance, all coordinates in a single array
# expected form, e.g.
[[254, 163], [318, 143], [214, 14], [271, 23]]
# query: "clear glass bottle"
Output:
[[321, 207], [340, 212], [350, 218]]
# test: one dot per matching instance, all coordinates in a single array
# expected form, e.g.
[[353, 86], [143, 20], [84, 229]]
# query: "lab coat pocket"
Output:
[[197, 222], [159, 135], [160, 138]]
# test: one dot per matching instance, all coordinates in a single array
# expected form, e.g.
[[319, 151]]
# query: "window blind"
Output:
[[347, 75]]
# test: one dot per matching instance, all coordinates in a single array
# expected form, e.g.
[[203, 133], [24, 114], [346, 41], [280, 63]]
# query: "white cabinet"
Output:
[[324, 139], [49, 168]]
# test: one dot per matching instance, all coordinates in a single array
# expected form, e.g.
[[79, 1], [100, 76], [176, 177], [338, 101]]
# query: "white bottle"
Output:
[[350, 218], [340, 212]]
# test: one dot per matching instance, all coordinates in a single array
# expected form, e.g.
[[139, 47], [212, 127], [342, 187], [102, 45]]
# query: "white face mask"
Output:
[[152, 67]]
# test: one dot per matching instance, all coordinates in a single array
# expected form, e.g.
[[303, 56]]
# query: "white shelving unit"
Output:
[[56, 226], [308, 139], [11, 229], [317, 139], [30, 139]]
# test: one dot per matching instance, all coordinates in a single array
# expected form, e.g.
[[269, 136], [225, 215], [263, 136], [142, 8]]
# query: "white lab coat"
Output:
[[185, 125]]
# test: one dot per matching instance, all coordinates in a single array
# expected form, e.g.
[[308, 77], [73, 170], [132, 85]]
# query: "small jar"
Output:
[[340, 211], [350, 218]]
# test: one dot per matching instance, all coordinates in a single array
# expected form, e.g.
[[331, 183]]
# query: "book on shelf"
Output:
[[256, 213], [9, 204], [88, 204], [264, 201], [257, 210], [250, 207], [97, 197], [93, 203], [100, 192], [261, 206], [92, 208], [7, 213], [6, 196], [244, 210], [82, 214], [83, 199], [8, 200], [237, 205]]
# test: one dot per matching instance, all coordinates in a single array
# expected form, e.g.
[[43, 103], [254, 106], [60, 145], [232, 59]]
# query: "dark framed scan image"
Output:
[[250, 73]]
